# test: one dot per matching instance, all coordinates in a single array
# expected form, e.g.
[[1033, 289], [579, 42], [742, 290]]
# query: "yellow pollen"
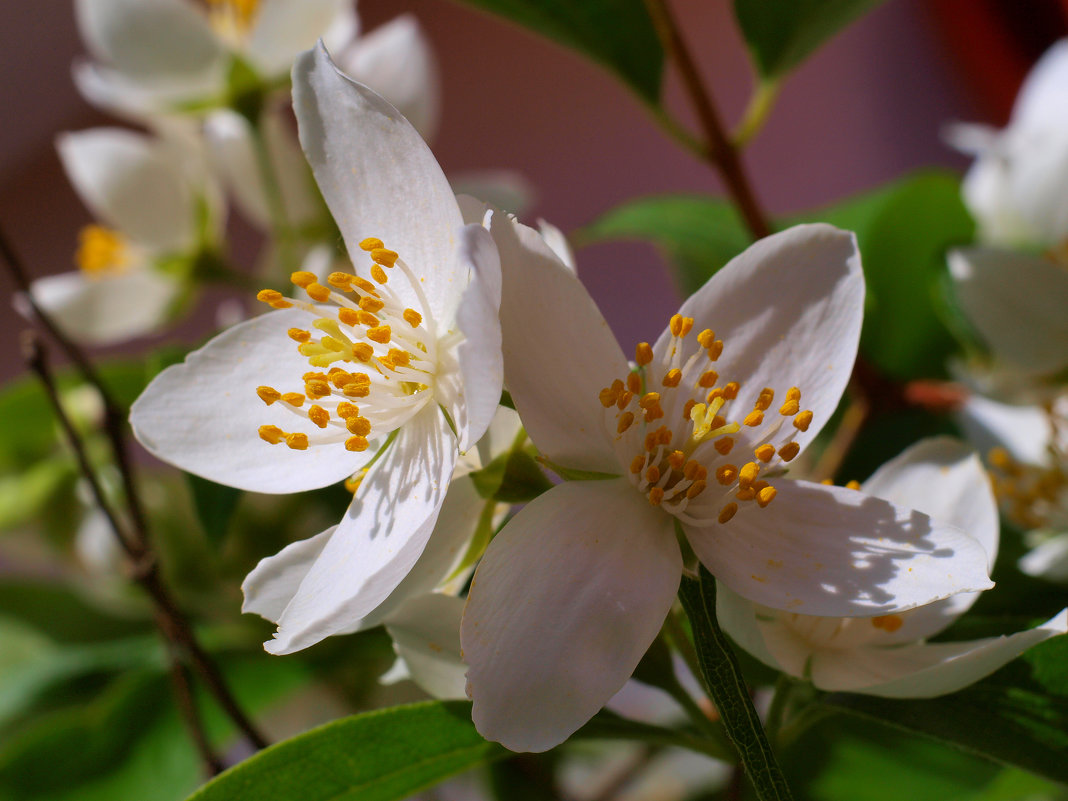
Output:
[[706, 337], [412, 317], [317, 388], [400, 357], [268, 395], [793, 393], [803, 420], [293, 398], [765, 496], [609, 395], [380, 334], [360, 426], [726, 474], [371, 243], [687, 408], [363, 351], [888, 623], [318, 292], [340, 280], [302, 278], [378, 273], [383, 256], [298, 335], [677, 459], [346, 409], [298, 442], [652, 474], [624, 399], [643, 353], [789, 408], [727, 512], [745, 494], [708, 379], [649, 400], [696, 489], [680, 326], [715, 350], [352, 483], [827, 482], [754, 418], [314, 376], [730, 391], [748, 474], [789, 451], [356, 444], [634, 383], [724, 445], [625, 421], [656, 495], [100, 251], [273, 298], [365, 285], [1000, 458], [687, 326], [319, 416], [763, 401], [673, 377], [356, 391], [637, 463], [853, 485], [271, 434], [369, 304], [765, 452], [348, 316]]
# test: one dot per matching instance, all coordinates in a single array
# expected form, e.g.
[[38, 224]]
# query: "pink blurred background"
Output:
[[865, 109]]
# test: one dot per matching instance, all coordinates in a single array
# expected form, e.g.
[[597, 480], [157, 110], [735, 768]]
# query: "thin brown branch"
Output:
[[721, 151], [187, 707]]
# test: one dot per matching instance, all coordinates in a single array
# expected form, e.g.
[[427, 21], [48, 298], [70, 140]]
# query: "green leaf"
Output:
[[512, 477], [61, 613], [24, 493], [727, 689], [782, 33], [617, 34], [215, 505], [376, 756], [697, 234]]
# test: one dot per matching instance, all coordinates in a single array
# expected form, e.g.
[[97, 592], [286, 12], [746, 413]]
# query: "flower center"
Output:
[[677, 463], [1032, 497], [101, 251], [232, 19], [375, 358]]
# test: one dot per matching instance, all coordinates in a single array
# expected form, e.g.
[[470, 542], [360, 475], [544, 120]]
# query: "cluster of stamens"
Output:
[[101, 251], [233, 19], [1032, 497], [679, 459], [374, 356]]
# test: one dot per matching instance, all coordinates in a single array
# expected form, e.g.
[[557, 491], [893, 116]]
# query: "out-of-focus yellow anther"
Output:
[[688, 408], [303, 278], [652, 474], [803, 420], [297, 441], [365, 285], [728, 511], [356, 443], [724, 445], [764, 399], [726, 474], [696, 489], [706, 337], [293, 398], [370, 243], [378, 273], [715, 350], [745, 494], [672, 378], [362, 351], [730, 391], [643, 353], [789, 451], [609, 395], [765, 496], [888, 623], [748, 474], [827, 482], [370, 304], [271, 434], [268, 394], [352, 483], [637, 463], [319, 416], [656, 495], [708, 379], [299, 335], [625, 421], [316, 388], [624, 399], [101, 251], [677, 459], [754, 418], [270, 296], [649, 400], [412, 317], [634, 383], [380, 334], [1000, 458], [765, 452], [853, 485]]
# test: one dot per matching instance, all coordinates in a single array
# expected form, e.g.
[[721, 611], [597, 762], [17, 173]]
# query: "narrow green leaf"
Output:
[[377, 756], [512, 477], [723, 680], [62, 614], [782, 33], [617, 34], [214, 504]]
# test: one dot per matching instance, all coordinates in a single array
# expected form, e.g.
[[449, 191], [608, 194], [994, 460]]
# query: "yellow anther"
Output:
[[853, 485], [765, 496], [763, 401], [730, 391], [643, 353], [365, 285], [356, 391], [634, 383], [677, 459], [793, 393], [726, 474], [688, 408], [362, 351], [649, 400], [608, 396], [299, 335], [340, 378], [687, 326], [319, 416], [370, 243], [727, 512], [366, 318], [317, 388], [765, 452], [318, 292], [888, 623], [412, 317], [378, 273], [356, 444], [827, 482], [293, 398], [380, 334], [789, 451], [271, 434], [360, 426], [1000, 458], [348, 316], [708, 379], [346, 409], [270, 296], [624, 399], [789, 408], [370, 304], [303, 278], [748, 474], [352, 483], [715, 350], [696, 489], [400, 357], [297, 441], [663, 435], [656, 495], [652, 474], [724, 445], [754, 418], [340, 280], [100, 251], [717, 392], [268, 395], [384, 256], [625, 421], [803, 420], [315, 376], [673, 377], [745, 494], [706, 337], [637, 463]]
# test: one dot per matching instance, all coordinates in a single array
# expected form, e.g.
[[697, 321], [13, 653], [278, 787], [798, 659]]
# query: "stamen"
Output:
[[789, 451], [412, 317], [356, 444], [727, 512], [643, 353], [268, 395], [319, 416], [765, 496], [765, 452], [625, 421], [371, 243], [656, 495], [672, 377], [297, 441], [303, 278], [754, 418], [803, 420], [724, 445], [271, 434]]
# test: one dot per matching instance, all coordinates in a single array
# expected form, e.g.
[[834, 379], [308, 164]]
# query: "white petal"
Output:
[[1042, 102], [506, 190], [379, 539], [926, 670], [738, 617], [274, 581], [115, 93], [999, 289], [1048, 560], [479, 355], [128, 181], [379, 179], [789, 312], [987, 192], [154, 40], [1024, 431], [563, 606], [819, 550], [203, 415], [395, 59], [426, 635], [283, 28], [109, 309], [556, 240], [559, 352]]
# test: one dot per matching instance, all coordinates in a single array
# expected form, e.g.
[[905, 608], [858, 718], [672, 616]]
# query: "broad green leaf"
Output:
[[697, 234], [782, 33], [617, 34], [64, 614], [376, 756], [23, 493], [215, 505]]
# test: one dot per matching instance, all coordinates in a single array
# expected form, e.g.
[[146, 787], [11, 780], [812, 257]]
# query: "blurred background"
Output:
[[866, 108]]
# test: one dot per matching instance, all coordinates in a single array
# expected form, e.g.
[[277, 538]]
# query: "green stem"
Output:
[[756, 113], [779, 703], [727, 688]]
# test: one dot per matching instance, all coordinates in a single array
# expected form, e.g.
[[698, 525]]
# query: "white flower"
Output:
[[572, 591], [158, 210], [386, 375], [887, 655], [1015, 188]]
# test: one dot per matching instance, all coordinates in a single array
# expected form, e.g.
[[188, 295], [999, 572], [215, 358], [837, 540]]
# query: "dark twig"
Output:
[[187, 706], [720, 150]]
